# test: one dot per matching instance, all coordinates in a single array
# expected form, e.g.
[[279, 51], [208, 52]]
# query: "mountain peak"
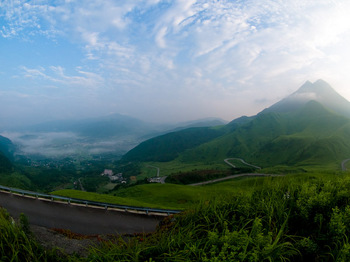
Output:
[[318, 87], [319, 91]]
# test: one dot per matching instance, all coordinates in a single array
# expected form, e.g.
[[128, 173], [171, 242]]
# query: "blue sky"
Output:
[[165, 60]]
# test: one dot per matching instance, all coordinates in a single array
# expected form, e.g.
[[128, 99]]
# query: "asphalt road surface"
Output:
[[78, 219], [230, 177], [240, 159]]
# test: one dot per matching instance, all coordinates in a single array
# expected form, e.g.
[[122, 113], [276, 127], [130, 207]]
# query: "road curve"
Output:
[[230, 177], [240, 159], [343, 167], [157, 168], [78, 219]]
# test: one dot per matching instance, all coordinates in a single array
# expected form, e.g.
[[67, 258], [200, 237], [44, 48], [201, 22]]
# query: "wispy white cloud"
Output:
[[134, 50], [57, 74]]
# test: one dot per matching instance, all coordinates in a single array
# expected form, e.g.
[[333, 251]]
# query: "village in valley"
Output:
[[114, 177], [118, 178]]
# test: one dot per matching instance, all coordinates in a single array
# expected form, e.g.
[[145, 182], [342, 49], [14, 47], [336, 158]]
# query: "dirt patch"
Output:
[[52, 239]]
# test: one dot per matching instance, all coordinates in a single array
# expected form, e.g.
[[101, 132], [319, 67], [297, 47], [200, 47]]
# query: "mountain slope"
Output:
[[6, 147], [319, 91], [167, 147], [308, 135], [205, 122], [5, 163], [308, 127], [6, 152]]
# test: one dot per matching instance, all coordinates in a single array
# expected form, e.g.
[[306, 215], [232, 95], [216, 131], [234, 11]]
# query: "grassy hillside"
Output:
[[312, 135], [173, 196], [6, 147], [5, 164], [167, 147], [302, 217], [167, 196]]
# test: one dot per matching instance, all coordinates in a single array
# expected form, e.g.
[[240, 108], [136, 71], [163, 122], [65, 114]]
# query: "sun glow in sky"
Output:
[[165, 60]]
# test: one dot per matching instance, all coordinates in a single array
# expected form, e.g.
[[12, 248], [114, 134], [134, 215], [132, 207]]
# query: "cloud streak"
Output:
[[225, 54]]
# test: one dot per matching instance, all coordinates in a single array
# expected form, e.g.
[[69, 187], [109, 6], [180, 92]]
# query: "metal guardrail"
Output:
[[146, 210]]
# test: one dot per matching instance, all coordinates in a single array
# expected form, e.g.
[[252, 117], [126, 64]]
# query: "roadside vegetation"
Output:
[[195, 176], [299, 217], [18, 244]]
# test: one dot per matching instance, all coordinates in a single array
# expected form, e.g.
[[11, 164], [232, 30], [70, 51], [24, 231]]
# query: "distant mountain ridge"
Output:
[[319, 91], [6, 153], [113, 134], [204, 122], [107, 126], [117, 125], [308, 127], [7, 148]]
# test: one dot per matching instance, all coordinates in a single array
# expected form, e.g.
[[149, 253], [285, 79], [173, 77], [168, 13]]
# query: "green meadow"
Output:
[[172, 196], [297, 217]]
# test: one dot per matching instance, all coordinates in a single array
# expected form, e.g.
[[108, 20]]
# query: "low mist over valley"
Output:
[[106, 135], [64, 144], [184, 130], [303, 128]]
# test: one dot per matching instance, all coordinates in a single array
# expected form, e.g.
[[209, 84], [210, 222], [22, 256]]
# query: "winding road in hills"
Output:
[[234, 176], [239, 159], [231, 177], [157, 168], [343, 164], [343, 167]]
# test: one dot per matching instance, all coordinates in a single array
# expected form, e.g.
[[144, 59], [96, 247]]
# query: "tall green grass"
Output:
[[303, 217], [284, 219], [17, 244]]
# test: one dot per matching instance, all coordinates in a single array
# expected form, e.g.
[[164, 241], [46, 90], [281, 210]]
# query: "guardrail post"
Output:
[[87, 203]]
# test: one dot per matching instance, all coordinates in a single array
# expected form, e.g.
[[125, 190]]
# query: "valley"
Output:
[[296, 133], [293, 155]]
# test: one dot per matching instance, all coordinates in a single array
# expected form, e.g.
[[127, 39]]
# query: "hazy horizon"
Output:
[[165, 61]]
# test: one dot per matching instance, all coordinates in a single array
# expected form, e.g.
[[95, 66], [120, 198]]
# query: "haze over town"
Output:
[[165, 61]]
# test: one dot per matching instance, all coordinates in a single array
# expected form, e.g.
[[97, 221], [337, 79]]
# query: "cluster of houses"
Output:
[[114, 177], [155, 180]]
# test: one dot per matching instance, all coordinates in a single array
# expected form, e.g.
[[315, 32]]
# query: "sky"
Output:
[[165, 61]]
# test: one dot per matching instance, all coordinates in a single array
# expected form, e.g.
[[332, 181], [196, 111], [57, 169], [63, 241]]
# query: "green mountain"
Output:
[[6, 152], [205, 122], [5, 164], [169, 146], [7, 148], [308, 127], [319, 91], [309, 135]]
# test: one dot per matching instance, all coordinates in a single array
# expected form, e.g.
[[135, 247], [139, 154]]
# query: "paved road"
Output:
[[78, 219], [240, 159], [158, 170], [81, 185], [343, 167], [230, 177], [162, 179]]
